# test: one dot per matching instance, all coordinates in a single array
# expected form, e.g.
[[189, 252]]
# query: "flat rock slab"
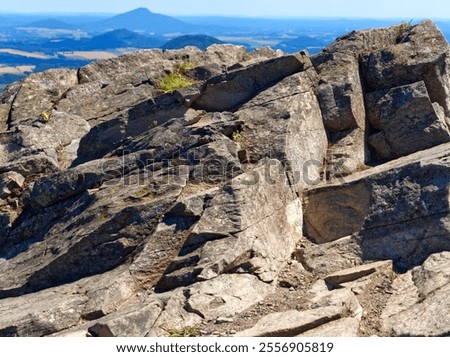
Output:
[[345, 327], [397, 211], [293, 322], [226, 295], [232, 89], [352, 274]]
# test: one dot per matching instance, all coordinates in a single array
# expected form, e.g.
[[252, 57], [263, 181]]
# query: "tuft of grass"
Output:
[[105, 217], [346, 313], [174, 81], [141, 193], [46, 116], [185, 66], [184, 332], [237, 137], [177, 79], [402, 28]]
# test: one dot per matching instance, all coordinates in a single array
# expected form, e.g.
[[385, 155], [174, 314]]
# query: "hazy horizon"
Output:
[[343, 9]]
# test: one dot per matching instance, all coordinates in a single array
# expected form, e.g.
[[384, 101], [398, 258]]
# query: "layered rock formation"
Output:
[[312, 192]]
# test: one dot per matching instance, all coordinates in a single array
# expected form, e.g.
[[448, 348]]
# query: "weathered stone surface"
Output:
[[53, 189], [396, 209], [53, 136], [223, 242], [344, 327], [121, 104], [226, 295], [40, 314], [347, 275], [64, 307], [102, 234], [341, 98], [275, 124], [7, 97], [382, 59], [329, 217], [366, 40], [4, 113], [41, 92], [346, 154], [31, 165], [136, 320], [106, 293], [228, 91], [420, 305], [9, 182], [292, 323], [419, 53], [409, 122], [233, 234], [327, 258], [320, 296], [340, 91], [174, 316]]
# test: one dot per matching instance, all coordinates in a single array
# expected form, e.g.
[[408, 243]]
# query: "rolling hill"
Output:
[[115, 39], [51, 24], [200, 41]]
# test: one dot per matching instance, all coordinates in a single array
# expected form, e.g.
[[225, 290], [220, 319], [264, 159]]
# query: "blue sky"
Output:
[[405, 9]]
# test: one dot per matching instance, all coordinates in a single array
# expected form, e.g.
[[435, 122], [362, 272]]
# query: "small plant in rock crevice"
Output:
[[177, 78], [237, 137], [46, 116]]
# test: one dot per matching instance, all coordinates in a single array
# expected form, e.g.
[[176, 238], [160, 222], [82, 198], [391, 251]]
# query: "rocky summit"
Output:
[[263, 194]]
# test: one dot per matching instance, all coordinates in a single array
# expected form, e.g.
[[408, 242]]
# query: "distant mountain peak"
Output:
[[143, 20], [139, 12], [142, 10]]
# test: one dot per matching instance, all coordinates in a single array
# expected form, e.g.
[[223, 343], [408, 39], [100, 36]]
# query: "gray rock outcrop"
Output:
[[278, 195]]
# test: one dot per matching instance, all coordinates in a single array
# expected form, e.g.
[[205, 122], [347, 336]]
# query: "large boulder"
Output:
[[230, 90], [398, 211], [408, 89], [341, 96], [64, 307], [419, 305], [233, 235], [41, 92], [408, 121], [284, 122], [365, 76]]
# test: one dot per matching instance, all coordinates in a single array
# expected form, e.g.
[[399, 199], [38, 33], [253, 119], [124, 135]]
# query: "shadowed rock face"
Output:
[[364, 71], [125, 211]]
